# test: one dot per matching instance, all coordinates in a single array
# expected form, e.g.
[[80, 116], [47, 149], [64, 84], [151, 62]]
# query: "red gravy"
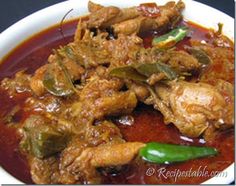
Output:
[[148, 123]]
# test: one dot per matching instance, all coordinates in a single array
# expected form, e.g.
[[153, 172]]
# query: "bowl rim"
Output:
[[50, 17]]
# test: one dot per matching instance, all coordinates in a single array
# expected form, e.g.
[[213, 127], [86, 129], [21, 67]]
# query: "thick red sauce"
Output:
[[148, 123]]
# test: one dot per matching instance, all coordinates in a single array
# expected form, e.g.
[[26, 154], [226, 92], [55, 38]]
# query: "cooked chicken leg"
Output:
[[192, 107]]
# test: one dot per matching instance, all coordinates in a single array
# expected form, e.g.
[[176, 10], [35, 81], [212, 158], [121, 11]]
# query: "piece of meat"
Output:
[[169, 13], [100, 98], [102, 133], [227, 90], [123, 48], [97, 87], [103, 17], [93, 7], [194, 106], [110, 155], [49, 104], [73, 150], [115, 104], [223, 61], [18, 84], [140, 91], [36, 82], [178, 60], [44, 171], [74, 69], [182, 61], [154, 78], [92, 51], [103, 156], [131, 20], [131, 26]]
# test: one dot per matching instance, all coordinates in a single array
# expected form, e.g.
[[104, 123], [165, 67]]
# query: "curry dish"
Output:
[[135, 89]]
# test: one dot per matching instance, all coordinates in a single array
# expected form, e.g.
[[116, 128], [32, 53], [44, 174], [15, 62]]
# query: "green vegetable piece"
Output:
[[42, 139], [47, 142], [59, 87], [10, 116], [170, 39], [69, 52], [154, 68], [168, 153], [200, 55], [220, 29], [50, 84], [148, 69], [128, 72]]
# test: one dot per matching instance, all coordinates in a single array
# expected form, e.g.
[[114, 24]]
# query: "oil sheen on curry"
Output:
[[123, 96]]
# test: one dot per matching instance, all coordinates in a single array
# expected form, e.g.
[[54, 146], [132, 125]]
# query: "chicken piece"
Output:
[[44, 171], [93, 51], [110, 155], [140, 91], [178, 60], [123, 48], [116, 103], [93, 7], [102, 133], [193, 107], [104, 17], [223, 61], [227, 90], [100, 98], [182, 61], [96, 88], [70, 175], [169, 14], [131, 20], [102, 156], [90, 50], [96, 19], [73, 68], [130, 26], [18, 84], [50, 104], [36, 83]]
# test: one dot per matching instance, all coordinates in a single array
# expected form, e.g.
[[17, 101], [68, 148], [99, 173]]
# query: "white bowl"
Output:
[[17, 33]]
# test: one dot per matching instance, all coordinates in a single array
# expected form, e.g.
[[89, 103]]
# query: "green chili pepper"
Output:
[[128, 72], [170, 39], [168, 153]]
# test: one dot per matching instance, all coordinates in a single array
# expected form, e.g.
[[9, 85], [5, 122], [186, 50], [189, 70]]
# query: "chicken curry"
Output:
[[132, 90]]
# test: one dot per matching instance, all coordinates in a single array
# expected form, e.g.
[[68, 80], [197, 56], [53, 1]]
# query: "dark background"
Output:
[[13, 10]]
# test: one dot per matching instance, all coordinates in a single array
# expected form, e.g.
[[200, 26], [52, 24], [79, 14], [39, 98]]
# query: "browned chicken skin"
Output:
[[130, 20], [194, 106]]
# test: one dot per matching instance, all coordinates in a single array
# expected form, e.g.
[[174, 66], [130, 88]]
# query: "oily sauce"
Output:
[[148, 123]]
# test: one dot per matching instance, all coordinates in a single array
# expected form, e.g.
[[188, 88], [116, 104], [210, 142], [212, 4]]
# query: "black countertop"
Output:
[[12, 11]]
